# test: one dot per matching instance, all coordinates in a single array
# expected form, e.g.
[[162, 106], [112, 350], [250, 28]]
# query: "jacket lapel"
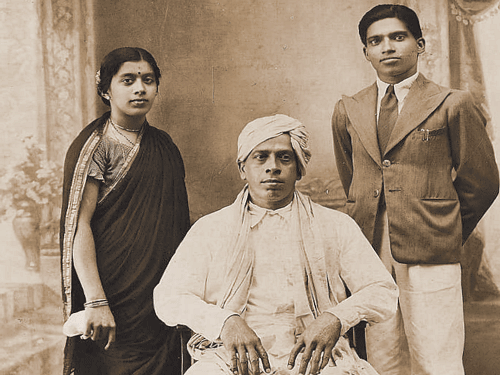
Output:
[[423, 98], [361, 111]]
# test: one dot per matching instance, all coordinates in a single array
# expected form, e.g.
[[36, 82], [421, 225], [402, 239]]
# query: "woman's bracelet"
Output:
[[96, 303]]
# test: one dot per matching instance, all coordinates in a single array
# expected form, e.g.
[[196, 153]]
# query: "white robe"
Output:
[[336, 252]]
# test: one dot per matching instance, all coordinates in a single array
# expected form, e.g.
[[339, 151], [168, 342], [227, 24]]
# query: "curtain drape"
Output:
[[465, 65], [68, 67]]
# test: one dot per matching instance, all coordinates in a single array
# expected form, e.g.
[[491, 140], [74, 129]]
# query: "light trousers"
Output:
[[426, 336]]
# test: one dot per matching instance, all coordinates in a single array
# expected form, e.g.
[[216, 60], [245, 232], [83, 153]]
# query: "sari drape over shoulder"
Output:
[[137, 226]]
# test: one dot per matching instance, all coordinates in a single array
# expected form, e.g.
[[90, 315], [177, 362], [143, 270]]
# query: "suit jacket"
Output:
[[437, 177]]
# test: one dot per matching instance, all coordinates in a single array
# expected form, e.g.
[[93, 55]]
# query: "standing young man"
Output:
[[419, 172]]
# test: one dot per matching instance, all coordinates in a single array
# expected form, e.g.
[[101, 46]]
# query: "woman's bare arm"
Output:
[[100, 320]]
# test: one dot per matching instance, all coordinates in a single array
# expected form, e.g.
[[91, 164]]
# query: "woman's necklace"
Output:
[[125, 129], [115, 126]]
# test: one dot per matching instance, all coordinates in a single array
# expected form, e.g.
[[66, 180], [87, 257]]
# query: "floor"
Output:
[[481, 357], [482, 331], [482, 318]]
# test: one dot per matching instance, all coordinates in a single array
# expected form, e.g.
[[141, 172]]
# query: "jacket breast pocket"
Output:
[[431, 134], [428, 150]]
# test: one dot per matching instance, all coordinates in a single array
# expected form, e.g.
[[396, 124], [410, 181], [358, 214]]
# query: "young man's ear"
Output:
[[420, 45], [365, 53]]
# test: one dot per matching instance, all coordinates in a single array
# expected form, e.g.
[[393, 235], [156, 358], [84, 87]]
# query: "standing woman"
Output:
[[125, 210]]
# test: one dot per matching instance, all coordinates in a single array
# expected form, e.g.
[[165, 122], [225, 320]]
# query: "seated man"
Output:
[[262, 281]]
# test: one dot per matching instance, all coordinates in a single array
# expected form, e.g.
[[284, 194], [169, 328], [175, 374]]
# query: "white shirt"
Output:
[[401, 90], [276, 262], [270, 309]]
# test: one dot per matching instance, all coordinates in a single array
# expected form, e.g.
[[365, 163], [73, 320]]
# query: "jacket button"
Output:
[[376, 193], [386, 163]]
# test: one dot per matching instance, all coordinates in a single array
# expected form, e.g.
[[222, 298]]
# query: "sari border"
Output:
[[71, 216]]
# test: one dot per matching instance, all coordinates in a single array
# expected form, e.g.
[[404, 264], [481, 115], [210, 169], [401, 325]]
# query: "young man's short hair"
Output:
[[380, 12]]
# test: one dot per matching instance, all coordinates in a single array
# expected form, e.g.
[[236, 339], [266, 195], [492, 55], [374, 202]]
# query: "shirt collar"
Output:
[[400, 89], [257, 213]]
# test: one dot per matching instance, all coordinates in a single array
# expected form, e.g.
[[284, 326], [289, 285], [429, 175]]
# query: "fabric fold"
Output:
[[315, 290]]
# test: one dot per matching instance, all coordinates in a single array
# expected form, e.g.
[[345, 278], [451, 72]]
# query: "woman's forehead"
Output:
[[135, 67]]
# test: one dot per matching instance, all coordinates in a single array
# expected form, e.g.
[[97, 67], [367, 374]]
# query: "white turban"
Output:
[[265, 128]]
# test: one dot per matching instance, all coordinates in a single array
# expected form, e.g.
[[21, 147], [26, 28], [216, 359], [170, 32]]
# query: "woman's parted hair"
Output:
[[383, 11], [113, 61]]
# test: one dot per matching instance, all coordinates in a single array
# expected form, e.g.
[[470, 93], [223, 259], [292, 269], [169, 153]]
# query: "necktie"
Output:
[[387, 117]]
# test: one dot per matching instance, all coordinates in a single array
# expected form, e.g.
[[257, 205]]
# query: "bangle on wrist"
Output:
[[96, 303]]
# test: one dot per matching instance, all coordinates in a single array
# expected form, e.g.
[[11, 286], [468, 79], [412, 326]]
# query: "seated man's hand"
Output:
[[243, 345], [317, 341]]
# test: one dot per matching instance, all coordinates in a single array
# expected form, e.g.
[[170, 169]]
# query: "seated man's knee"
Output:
[[206, 368]]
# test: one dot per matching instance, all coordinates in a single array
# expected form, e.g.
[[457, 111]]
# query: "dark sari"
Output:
[[136, 228]]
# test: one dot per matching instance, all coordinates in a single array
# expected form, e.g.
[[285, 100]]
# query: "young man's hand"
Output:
[[243, 346], [317, 341]]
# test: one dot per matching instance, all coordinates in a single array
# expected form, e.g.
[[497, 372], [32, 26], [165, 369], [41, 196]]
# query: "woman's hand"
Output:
[[101, 325]]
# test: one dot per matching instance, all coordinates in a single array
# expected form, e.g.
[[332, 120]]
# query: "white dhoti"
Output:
[[216, 361]]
